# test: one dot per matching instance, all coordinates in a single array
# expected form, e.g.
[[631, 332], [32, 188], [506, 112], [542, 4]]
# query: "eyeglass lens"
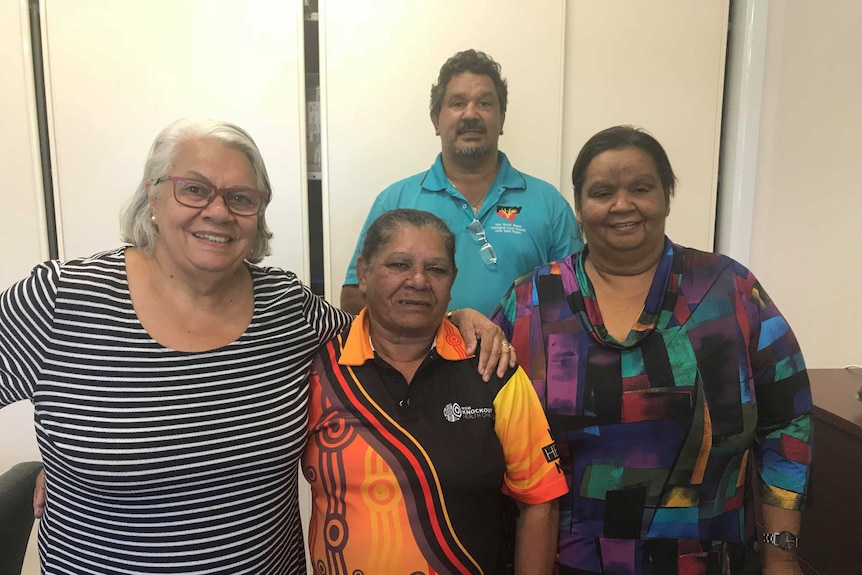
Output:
[[240, 201], [486, 251]]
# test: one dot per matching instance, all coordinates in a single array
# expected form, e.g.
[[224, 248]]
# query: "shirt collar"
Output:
[[358, 349], [435, 179]]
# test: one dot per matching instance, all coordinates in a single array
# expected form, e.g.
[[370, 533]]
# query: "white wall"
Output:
[[21, 225], [121, 71], [806, 239], [22, 228], [378, 61], [573, 68], [658, 65]]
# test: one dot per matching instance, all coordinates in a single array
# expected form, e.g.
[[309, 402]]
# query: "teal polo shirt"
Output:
[[526, 220]]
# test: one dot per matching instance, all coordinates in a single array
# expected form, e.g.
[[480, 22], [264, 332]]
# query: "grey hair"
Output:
[[136, 225], [387, 224]]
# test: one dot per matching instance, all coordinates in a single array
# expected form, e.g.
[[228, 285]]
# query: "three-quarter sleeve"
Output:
[[784, 433], [26, 319]]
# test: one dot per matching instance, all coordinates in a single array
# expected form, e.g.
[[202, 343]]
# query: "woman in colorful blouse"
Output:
[[674, 387], [409, 451]]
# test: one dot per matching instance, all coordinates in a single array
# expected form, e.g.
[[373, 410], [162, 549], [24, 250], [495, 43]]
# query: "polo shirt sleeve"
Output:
[[381, 204], [533, 474]]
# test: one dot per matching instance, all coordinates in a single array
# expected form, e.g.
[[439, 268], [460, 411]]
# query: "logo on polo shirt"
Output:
[[506, 224], [453, 412], [550, 453], [508, 212]]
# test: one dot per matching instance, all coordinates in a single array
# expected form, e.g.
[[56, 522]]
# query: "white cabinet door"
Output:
[[379, 59], [121, 71], [22, 232], [658, 65], [22, 229], [573, 67]]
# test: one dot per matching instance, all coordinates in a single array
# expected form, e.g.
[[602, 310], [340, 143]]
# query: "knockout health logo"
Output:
[[453, 412]]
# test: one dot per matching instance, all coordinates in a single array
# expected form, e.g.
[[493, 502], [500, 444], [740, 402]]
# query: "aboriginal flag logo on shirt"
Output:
[[508, 212]]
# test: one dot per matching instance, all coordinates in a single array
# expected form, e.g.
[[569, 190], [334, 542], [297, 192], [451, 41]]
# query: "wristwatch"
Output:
[[785, 540]]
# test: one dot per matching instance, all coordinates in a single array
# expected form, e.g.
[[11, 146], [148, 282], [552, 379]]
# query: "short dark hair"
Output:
[[475, 63], [618, 138], [387, 224]]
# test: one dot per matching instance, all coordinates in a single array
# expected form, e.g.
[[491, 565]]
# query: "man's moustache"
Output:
[[471, 128]]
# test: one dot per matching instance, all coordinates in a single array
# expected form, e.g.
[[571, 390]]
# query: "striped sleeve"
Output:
[[325, 319], [26, 317]]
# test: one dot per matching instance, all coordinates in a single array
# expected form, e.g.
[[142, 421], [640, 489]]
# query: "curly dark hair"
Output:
[[475, 63]]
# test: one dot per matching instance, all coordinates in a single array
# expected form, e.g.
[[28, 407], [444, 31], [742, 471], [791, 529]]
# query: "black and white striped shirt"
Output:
[[159, 461]]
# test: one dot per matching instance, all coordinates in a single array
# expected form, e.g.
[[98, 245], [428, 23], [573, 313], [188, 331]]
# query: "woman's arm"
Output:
[[495, 349], [774, 560], [536, 538]]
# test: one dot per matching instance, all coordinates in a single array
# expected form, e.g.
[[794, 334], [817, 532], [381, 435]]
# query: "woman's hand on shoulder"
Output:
[[39, 495], [495, 351]]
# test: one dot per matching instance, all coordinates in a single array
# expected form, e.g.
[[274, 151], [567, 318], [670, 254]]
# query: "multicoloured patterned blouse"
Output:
[[656, 433]]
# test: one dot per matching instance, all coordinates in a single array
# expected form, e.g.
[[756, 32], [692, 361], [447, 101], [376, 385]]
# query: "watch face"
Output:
[[785, 540]]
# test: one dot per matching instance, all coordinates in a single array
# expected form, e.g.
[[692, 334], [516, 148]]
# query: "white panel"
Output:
[[21, 226], [806, 241], [121, 71], [21, 221], [379, 59], [658, 65], [744, 86]]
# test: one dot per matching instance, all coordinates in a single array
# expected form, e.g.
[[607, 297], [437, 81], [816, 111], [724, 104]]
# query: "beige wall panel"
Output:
[[21, 226], [21, 223], [657, 64], [807, 225], [379, 59], [121, 71]]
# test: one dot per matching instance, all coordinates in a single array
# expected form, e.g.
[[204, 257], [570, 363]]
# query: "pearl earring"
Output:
[[153, 218]]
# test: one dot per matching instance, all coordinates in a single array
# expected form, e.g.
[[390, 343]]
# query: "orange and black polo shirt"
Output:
[[410, 478]]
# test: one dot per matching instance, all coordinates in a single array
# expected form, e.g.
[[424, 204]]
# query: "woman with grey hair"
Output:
[[168, 376]]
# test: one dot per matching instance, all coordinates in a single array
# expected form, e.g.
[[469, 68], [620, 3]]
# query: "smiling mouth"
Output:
[[414, 303], [624, 225], [213, 238]]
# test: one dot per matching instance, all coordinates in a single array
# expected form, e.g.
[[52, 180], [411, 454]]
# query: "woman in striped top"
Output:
[[169, 375]]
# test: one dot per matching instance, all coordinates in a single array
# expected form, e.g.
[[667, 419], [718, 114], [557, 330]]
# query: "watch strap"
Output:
[[784, 540]]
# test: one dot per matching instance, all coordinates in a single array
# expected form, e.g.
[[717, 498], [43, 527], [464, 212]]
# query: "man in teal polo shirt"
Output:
[[505, 222]]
